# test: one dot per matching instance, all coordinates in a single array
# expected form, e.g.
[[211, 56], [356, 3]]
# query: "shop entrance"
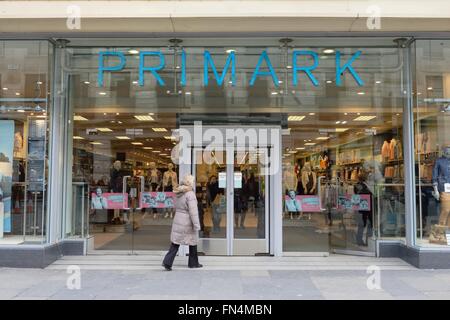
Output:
[[233, 192]]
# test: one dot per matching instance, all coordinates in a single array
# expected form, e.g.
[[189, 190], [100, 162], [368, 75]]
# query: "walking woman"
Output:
[[186, 224]]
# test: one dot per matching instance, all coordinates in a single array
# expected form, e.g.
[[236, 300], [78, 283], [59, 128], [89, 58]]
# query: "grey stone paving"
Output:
[[183, 284]]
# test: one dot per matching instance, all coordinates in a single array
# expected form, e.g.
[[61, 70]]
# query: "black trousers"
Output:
[[170, 256]]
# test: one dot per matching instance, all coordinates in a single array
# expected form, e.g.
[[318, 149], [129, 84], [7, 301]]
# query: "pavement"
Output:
[[122, 277]]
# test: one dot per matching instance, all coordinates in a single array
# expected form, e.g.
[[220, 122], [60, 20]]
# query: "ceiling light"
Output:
[[187, 93], [5, 89], [329, 81], [430, 88], [133, 51], [344, 122], [378, 82], [168, 91], [292, 151], [148, 148], [151, 114], [135, 82], [21, 110], [300, 148], [144, 118], [159, 129], [156, 151], [230, 51], [337, 122], [123, 138], [104, 129], [78, 138], [364, 118], [39, 82], [117, 114], [280, 81], [17, 93], [346, 113], [169, 137], [274, 93], [341, 129], [86, 82], [322, 138], [288, 67], [163, 154], [96, 143], [312, 114], [79, 118], [328, 51], [359, 113], [102, 93], [361, 93], [296, 118], [137, 143], [310, 144]]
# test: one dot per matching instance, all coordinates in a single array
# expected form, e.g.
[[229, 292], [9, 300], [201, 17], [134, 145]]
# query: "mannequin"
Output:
[[289, 178], [169, 183], [441, 186], [116, 186], [154, 179], [309, 179]]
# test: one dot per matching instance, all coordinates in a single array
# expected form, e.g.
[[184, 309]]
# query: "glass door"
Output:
[[232, 189]]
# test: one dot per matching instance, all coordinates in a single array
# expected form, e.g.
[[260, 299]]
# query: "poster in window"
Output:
[[6, 171], [160, 200]]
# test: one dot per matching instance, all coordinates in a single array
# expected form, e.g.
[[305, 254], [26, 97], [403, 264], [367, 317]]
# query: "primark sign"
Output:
[[263, 67]]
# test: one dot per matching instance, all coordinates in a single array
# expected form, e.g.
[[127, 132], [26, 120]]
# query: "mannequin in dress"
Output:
[[154, 180], [289, 178], [169, 183], [309, 179], [441, 186], [116, 186]]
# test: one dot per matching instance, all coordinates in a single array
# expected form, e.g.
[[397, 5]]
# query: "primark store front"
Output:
[[298, 146]]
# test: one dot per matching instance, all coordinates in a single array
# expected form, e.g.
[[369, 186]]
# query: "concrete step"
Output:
[[153, 262]]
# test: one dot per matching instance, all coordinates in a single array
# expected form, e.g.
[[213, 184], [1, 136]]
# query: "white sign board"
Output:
[[222, 179], [238, 180]]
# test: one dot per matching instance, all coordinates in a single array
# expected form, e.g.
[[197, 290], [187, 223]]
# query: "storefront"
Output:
[[298, 145]]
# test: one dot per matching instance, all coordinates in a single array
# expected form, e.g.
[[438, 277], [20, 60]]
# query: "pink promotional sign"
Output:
[[359, 202], [159, 200], [303, 203], [109, 201]]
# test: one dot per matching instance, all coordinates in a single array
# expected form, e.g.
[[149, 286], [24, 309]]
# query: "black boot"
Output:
[[193, 258]]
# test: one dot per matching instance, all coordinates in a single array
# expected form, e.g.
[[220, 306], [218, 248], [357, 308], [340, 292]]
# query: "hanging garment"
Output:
[[385, 150]]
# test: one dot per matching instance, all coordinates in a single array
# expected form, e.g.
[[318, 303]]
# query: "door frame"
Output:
[[274, 223]]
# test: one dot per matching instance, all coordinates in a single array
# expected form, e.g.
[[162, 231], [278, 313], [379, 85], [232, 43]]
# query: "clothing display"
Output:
[[444, 214], [426, 142], [170, 180], [441, 173], [329, 196], [289, 178]]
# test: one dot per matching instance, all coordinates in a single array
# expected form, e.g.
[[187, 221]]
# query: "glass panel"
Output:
[[342, 156], [249, 195], [432, 141], [24, 90], [211, 180]]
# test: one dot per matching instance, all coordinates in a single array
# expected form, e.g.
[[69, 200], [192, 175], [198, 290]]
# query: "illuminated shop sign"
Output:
[[263, 68]]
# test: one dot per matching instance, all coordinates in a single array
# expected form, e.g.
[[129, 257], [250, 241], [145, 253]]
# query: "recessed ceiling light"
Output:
[[147, 148], [159, 129], [104, 129], [137, 143], [300, 148], [17, 93], [78, 138], [39, 82], [79, 118], [187, 93], [378, 82], [135, 82], [312, 114], [96, 143], [144, 118], [337, 122], [364, 118], [5, 89], [168, 137], [274, 93], [21, 110], [344, 122], [341, 129], [156, 151], [328, 51], [163, 154], [322, 138], [86, 82], [361, 93], [102, 93], [151, 114], [280, 81], [117, 114], [123, 138], [310, 144], [329, 81], [296, 118], [430, 88], [288, 67], [133, 51], [168, 91], [346, 113]]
